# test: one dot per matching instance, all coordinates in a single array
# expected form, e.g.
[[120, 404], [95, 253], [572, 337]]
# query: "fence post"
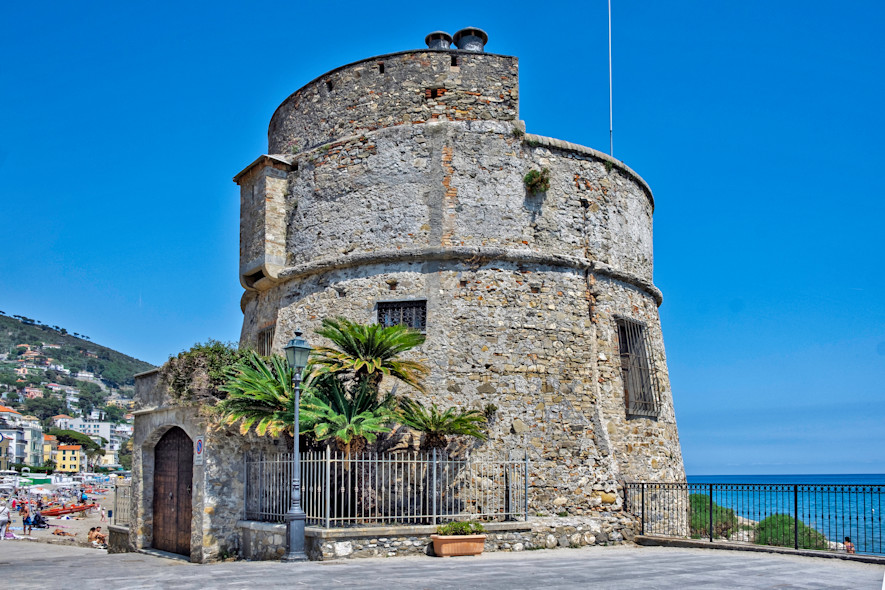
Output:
[[433, 489], [711, 513], [795, 516], [642, 511], [326, 490], [526, 484], [116, 493]]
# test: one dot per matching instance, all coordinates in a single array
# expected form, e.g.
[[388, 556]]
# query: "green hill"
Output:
[[77, 353]]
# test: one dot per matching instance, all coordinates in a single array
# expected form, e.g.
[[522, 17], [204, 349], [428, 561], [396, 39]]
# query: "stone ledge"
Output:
[[533, 140], [468, 254], [404, 531], [267, 527], [652, 541]]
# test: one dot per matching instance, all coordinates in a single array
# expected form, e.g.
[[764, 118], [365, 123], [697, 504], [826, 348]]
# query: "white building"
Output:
[[17, 445], [62, 421], [92, 427]]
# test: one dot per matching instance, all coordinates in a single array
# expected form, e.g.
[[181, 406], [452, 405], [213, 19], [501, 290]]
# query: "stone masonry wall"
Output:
[[414, 87], [525, 342], [397, 195], [264, 541], [218, 484], [461, 185], [263, 227]]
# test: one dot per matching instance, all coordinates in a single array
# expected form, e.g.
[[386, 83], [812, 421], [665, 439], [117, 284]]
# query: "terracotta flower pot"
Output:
[[454, 545]]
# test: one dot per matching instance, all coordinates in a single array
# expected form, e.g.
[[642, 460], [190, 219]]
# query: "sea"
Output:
[[837, 505]]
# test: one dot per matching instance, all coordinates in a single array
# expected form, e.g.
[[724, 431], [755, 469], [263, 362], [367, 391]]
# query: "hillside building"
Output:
[[70, 459]]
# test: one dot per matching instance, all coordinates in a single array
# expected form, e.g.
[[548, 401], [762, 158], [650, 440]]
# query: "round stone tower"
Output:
[[395, 190]]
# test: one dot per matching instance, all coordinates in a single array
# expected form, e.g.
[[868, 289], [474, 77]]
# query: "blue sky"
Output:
[[758, 125]]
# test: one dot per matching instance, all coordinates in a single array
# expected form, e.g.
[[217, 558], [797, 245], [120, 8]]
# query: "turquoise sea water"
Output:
[[827, 479], [837, 505]]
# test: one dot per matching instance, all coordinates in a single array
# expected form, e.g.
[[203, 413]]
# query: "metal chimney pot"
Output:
[[471, 39], [438, 40]]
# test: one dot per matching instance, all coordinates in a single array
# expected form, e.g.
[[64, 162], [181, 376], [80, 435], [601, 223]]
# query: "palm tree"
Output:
[[328, 412], [260, 393], [437, 426], [92, 455], [368, 353]]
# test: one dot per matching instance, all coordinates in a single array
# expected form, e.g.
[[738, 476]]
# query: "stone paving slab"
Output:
[[37, 565]]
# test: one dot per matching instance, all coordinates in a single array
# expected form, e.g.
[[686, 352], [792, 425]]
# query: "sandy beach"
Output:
[[75, 524]]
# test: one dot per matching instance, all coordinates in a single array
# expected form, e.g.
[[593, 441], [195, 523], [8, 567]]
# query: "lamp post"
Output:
[[297, 352]]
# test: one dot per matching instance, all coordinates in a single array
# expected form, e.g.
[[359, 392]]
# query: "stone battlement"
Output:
[[409, 87]]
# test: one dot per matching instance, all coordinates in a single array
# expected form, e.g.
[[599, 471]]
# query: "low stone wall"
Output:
[[118, 539], [265, 541], [261, 541]]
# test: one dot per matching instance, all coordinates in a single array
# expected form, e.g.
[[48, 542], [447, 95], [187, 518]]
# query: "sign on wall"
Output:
[[198, 451]]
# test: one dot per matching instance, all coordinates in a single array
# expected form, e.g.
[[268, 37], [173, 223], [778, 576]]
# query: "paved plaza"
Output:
[[38, 565]]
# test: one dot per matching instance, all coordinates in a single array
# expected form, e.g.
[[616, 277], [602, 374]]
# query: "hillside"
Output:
[[76, 352]]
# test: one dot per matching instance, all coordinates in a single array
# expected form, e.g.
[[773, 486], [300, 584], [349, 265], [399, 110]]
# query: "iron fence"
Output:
[[122, 502], [802, 516], [373, 489]]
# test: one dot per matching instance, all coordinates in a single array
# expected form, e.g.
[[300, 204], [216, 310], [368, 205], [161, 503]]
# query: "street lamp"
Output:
[[297, 352]]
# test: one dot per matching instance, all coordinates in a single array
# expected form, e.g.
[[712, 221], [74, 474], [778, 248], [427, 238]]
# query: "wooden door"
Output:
[[173, 476]]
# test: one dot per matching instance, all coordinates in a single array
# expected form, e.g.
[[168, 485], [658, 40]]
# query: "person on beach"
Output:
[[849, 546], [62, 533], [26, 519], [4, 520], [101, 509]]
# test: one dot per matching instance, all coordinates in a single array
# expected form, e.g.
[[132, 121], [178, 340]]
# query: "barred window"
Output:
[[265, 341], [640, 382], [408, 313]]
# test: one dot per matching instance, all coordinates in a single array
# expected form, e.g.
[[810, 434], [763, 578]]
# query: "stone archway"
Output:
[[173, 481]]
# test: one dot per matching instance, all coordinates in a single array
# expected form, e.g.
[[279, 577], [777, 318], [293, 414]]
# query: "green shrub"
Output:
[[537, 181], [196, 375], [468, 527], [724, 519], [778, 530]]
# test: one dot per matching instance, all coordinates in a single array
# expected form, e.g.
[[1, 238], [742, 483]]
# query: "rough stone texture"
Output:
[[218, 484], [263, 541], [263, 231], [118, 539], [384, 202], [415, 87]]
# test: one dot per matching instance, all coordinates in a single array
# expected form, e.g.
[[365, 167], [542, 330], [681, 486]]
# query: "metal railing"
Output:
[[373, 489], [122, 502], [801, 516]]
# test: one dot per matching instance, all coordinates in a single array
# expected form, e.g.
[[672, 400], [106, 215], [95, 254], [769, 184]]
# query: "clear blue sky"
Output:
[[759, 126]]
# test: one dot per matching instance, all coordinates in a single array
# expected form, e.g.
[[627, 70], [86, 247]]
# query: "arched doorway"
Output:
[[173, 476]]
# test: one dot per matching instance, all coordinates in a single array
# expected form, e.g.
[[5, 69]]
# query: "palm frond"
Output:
[[437, 425]]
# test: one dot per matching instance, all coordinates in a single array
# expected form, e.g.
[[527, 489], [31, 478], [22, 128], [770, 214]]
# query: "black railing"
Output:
[[801, 516]]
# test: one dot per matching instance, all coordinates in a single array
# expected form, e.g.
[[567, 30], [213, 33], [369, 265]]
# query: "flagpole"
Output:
[[611, 141]]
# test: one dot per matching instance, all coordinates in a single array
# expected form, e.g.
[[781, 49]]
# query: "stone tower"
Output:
[[394, 191]]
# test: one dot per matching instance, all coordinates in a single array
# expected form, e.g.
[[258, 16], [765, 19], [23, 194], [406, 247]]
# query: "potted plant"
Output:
[[459, 538]]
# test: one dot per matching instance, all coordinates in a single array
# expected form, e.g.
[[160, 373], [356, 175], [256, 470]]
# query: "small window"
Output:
[[454, 61], [265, 341], [329, 85], [640, 382], [381, 68], [407, 313]]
